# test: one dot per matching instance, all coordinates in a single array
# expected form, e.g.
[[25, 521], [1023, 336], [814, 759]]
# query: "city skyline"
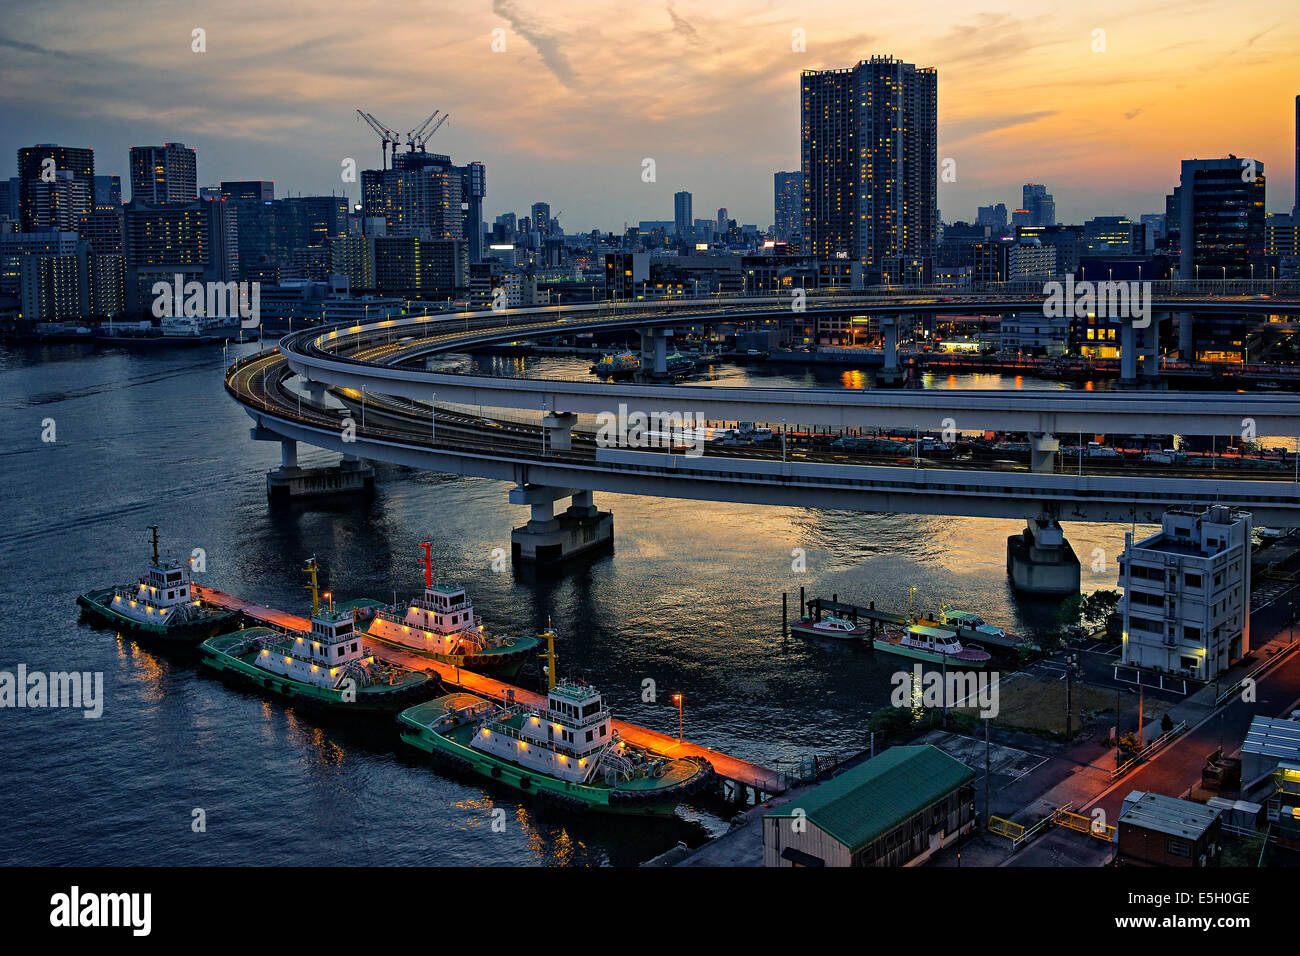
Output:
[[716, 107]]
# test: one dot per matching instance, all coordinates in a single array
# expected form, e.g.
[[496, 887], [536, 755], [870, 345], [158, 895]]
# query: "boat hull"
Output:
[[857, 634], [449, 755], [369, 701], [921, 654], [214, 621]]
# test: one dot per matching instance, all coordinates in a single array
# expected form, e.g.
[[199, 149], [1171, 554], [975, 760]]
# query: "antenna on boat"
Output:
[[549, 656], [428, 563], [154, 529], [310, 570]]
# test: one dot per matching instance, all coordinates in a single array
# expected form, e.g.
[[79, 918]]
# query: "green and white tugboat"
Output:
[[567, 753], [327, 666], [162, 605], [442, 625]]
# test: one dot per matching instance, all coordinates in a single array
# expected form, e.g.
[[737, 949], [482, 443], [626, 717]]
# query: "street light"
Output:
[[677, 699]]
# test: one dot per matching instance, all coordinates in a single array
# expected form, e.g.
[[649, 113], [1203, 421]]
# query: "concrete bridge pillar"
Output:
[[288, 453], [654, 350], [548, 539], [889, 328], [1151, 351], [1186, 337], [1040, 560], [559, 430], [890, 374], [1128, 354], [1042, 452], [316, 392]]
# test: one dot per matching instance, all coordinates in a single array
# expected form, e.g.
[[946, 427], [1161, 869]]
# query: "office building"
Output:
[[248, 190], [108, 193], [59, 203], [540, 215], [167, 173], [33, 169], [995, 217], [70, 286], [1221, 217], [16, 246], [682, 215], [1113, 236], [1038, 205], [473, 189], [1186, 601], [196, 240], [869, 161], [788, 206]]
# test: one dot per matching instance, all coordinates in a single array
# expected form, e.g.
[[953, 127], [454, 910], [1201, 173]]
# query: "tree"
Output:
[[1166, 724], [1100, 605]]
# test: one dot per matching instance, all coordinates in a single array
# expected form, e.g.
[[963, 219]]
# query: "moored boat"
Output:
[[326, 666], [566, 752], [830, 626], [969, 625], [934, 644], [441, 625], [162, 604], [618, 364]]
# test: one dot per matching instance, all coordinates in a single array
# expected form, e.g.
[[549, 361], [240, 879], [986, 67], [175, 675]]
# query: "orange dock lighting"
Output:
[[677, 699]]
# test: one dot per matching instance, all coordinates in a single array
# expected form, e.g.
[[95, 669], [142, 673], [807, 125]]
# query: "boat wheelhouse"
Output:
[[567, 752], [441, 624], [328, 664], [162, 603]]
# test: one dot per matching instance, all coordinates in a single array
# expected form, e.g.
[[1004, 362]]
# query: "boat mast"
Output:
[[550, 655], [428, 563], [154, 529], [310, 569]]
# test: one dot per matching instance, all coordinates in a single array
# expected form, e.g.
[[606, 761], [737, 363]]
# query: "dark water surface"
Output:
[[690, 599]]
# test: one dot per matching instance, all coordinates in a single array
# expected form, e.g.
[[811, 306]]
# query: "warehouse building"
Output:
[[893, 810]]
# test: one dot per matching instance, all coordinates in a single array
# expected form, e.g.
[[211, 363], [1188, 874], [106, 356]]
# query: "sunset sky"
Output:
[[585, 90]]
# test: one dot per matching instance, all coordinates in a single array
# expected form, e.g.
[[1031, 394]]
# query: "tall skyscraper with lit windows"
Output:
[[869, 150]]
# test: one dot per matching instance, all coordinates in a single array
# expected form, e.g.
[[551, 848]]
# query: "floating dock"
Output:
[[744, 775], [875, 618]]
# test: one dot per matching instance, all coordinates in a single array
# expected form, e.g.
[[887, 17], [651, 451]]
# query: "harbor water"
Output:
[[689, 603]]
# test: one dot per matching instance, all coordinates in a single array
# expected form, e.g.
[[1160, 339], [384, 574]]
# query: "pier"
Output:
[[742, 774]]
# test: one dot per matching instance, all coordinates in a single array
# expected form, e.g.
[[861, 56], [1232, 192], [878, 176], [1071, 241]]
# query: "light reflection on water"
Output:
[[690, 599]]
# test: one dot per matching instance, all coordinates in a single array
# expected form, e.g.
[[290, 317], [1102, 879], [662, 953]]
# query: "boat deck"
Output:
[[397, 673], [762, 779], [676, 771]]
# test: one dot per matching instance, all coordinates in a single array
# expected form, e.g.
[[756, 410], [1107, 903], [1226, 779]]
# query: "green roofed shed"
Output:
[[866, 802]]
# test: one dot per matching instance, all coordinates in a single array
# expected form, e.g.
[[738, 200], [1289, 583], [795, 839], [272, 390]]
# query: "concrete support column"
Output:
[[889, 327], [654, 350], [288, 453], [1127, 353], [316, 392], [1186, 337], [1042, 452], [559, 428], [542, 517], [1151, 350], [549, 538], [583, 505]]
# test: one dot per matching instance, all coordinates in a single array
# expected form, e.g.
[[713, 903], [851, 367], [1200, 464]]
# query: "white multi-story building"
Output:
[[1186, 601]]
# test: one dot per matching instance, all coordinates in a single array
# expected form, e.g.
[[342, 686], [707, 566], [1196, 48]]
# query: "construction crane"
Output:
[[417, 137], [386, 136]]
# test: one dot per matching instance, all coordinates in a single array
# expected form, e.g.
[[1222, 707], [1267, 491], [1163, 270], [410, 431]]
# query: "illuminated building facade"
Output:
[[869, 162], [167, 173]]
